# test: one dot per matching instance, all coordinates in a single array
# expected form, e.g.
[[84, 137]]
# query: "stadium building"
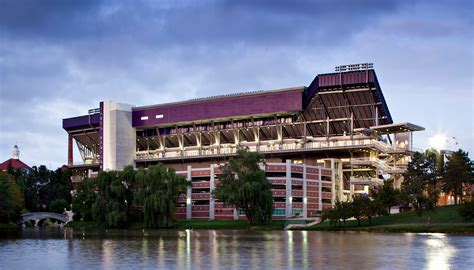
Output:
[[321, 143]]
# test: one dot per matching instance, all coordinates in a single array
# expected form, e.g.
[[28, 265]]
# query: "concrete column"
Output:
[[70, 151], [305, 196], [236, 214], [212, 201], [352, 192], [320, 191], [189, 206], [376, 116], [327, 128], [289, 203]]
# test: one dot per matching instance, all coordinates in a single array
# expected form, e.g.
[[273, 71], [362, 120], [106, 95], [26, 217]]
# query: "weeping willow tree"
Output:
[[245, 186], [157, 191], [110, 207]]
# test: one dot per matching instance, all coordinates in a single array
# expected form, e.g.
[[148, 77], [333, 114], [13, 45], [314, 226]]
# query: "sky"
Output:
[[60, 58]]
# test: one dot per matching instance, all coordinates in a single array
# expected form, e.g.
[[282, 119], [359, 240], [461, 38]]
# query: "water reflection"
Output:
[[439, 252], [228, 249]]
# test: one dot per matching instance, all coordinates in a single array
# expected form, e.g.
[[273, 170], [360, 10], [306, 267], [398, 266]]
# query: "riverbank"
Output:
[[8, 226], [445, 219], [191, 224]]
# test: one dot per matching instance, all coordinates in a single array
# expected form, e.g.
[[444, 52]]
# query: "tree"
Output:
[[458, 174], [245, 186], [386, 195], [58, 206], [110, 207], [329, 214], [358, 204], [158, 189], [84, 199], [466, 211], [42, 186], [420, 186], [342, 211], [434, 166], [11, 199]]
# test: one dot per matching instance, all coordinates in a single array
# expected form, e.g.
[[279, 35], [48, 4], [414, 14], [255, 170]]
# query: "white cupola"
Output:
[[16, 152]]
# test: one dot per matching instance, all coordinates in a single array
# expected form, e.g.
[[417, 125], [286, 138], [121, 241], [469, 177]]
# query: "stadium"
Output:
[[321, 143]]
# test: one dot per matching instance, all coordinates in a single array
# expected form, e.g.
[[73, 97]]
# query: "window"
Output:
[[158, 116], [279, 212], [144, 118], [297, 212]]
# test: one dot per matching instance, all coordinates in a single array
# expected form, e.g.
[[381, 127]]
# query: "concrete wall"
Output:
[[119, 136]]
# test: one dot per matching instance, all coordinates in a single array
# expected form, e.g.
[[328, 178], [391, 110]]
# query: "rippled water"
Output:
[[40, 248]]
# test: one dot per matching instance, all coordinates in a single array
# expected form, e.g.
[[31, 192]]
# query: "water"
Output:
[[42, 248]]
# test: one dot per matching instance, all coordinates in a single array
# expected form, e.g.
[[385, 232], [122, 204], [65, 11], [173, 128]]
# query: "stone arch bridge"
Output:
[[37, 217]]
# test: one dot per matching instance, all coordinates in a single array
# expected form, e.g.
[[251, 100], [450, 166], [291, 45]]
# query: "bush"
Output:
[[466, 211], [58, 206]]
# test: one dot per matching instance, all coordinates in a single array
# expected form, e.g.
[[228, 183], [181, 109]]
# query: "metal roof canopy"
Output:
[[396, 128]]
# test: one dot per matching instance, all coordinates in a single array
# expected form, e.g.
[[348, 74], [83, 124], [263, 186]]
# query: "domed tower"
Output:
[[16, 152]]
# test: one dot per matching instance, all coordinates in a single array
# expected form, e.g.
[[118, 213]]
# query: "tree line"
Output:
[[38, 189], [428, 175], [150, 196]]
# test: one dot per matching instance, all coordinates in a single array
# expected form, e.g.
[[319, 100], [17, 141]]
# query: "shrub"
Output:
[[466, 211], [58, 206]]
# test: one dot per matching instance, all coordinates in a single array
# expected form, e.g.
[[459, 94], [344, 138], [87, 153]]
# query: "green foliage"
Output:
[[110, 207], [420, 186], [360, 208], [113, 199], [10, 198], [157, 192], [84, 199], [42, 186], [466, 211], [58, 206], [386, 195], [459, 172], [245, 186]]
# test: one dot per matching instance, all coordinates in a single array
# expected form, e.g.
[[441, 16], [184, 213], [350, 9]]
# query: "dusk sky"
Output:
[[60, 58]]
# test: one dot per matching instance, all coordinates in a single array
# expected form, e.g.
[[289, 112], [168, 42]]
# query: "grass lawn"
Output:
[[444, 219]]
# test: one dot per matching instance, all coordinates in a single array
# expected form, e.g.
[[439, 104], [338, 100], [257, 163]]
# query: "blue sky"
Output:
[[60, 58]]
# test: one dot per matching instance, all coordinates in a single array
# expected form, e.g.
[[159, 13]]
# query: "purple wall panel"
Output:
[[83, 121], [101, 135], [264, 103], [355, 77]]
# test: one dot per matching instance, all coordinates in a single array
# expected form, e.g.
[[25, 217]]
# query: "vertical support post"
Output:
[[289, 198], [304, 133], [376, 115], [189, 199], [305, 196], [327, 128], [70, 152], [320, 191], [352, 126], [212, 200]]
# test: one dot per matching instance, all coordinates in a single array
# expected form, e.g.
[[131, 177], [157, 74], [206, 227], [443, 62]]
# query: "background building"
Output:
[[14, 163], [321, 143]]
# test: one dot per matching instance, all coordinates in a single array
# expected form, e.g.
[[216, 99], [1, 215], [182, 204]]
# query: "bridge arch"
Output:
[[39, 216]]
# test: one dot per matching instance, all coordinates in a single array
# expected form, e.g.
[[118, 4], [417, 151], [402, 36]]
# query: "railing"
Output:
[[264, 148], [379, 164], [81, 163]]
